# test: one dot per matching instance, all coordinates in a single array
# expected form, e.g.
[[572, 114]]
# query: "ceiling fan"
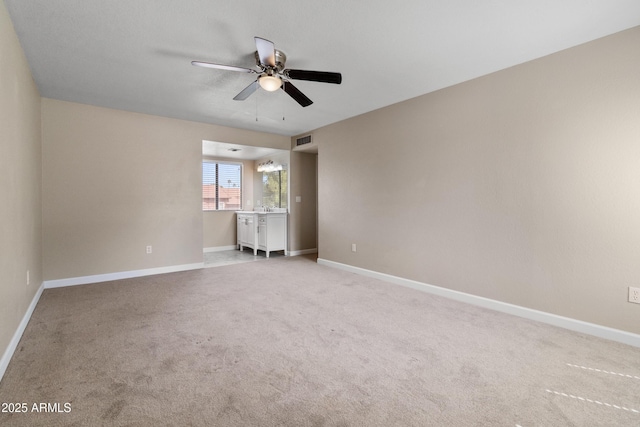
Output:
[[273, 75]]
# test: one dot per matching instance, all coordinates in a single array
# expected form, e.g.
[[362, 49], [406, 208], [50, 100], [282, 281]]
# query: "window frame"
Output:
[[216, 198], [281, 200]]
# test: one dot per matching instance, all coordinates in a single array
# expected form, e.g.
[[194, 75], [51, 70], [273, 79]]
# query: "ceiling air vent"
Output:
[[303, 140]]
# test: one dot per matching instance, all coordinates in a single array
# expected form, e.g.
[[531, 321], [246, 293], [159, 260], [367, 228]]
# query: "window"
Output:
[[274, 189], [221, 186]]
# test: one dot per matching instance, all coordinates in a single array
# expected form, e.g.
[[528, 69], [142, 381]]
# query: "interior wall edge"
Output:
[[575, 325], [219, 248], [17, 336], [97, 278], [303, 252]]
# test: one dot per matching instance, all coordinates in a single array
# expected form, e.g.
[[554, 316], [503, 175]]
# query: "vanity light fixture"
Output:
[[269, 166]]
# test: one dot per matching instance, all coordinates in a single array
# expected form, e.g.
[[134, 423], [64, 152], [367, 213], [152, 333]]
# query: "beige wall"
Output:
[[115, 182], [521, 186], [220, 226], [303, 215], [20, 178]]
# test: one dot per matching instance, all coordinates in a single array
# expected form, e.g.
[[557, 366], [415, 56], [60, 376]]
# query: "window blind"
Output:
[[221, 186]]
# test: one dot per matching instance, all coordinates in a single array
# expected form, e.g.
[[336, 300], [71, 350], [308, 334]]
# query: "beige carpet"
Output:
[[287, 342]]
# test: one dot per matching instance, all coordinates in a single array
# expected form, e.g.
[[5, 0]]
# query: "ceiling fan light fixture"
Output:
[[272, 74], [269, 83]]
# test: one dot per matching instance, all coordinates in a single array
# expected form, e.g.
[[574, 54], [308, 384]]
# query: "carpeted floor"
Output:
[[287, 342]]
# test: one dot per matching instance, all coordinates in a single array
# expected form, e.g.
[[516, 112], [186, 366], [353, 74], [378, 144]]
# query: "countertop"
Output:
[[261, 212]]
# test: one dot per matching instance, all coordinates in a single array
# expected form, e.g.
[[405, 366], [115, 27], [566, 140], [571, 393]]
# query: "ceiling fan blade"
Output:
[[266, 51], [246, 92], [314, 76], [222, 67], [293, 92]]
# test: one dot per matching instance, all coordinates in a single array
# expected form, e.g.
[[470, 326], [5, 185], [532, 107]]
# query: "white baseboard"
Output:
[[303, 252], [516, 310], [13, 344], [220, 248], [85, 280]]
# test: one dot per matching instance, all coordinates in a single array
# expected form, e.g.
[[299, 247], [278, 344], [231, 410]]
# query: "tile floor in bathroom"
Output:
[[217, 259]]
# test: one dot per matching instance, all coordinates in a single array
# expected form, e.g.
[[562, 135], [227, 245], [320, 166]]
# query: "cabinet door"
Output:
[[250, 232], [242, 229], [244, 233], [277, 233], [262, 235]]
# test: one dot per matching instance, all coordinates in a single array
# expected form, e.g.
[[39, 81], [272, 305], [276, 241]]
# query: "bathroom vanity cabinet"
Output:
[[264, 231]]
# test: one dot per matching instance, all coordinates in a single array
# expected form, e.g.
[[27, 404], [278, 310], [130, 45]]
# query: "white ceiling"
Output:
[[236, 151], [135, 55]]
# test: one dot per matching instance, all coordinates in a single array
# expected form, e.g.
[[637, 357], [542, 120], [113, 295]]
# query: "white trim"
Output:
[[303, 252], [219, 248], [516, 310], [84, 280], [13, 344]]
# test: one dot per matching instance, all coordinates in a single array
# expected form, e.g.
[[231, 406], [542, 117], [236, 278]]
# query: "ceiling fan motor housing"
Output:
[[281, 59]]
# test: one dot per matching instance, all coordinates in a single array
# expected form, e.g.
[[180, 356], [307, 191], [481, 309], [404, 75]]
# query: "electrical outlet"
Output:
[[634, 295], [353, 247], [149, 249]]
